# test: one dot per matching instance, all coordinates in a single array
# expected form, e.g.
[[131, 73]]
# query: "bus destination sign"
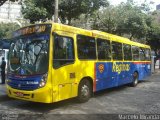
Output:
[[31, 30]]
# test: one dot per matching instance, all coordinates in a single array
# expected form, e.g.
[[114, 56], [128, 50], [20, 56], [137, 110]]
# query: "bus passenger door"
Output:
[[63, 74]]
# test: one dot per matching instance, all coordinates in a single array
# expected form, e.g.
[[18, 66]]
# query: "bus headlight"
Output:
[[8, 81], [43, 81]]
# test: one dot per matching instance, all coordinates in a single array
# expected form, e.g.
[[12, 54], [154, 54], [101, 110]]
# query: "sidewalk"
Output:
[[157, 71], [2, 89]]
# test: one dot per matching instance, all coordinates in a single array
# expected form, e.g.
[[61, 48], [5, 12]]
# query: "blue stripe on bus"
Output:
[[112, 74], [24, 83]]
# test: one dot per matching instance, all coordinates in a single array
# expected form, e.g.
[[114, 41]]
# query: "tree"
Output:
[[32, 12], [6, 30], [68, 9], [126, 19], [153, 36], [106, 20]]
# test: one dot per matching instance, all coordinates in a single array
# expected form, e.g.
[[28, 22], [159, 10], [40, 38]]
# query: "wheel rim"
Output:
[[85, 91], [135, 78], [135, 81]]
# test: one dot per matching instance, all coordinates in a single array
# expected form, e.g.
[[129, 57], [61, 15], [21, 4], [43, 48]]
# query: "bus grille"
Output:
[[23, 84]]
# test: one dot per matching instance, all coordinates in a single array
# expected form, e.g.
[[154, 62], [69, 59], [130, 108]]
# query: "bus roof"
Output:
[[71, 29], [96, 33], [93, 33], [117, 38]]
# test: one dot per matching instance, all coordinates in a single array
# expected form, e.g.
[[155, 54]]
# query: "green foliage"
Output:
[[106, 20], [125, 19], [153, 36], [36, 10], [6, 30], [32, 12]]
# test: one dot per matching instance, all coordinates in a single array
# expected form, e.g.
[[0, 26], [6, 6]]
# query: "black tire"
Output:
[[84, 91], [135, 79]]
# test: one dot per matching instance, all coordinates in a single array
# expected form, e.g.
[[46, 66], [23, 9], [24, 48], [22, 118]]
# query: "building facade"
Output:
[[10, 12]]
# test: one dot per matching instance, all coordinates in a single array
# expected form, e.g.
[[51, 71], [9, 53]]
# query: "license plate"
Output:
[[19, 94]]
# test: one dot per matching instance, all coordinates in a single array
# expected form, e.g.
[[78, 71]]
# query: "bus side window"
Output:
[[142, 54], [86, 47], [127, 52], [104, 49], [117, 51], [63, 51], [148, 54], [135, 53]]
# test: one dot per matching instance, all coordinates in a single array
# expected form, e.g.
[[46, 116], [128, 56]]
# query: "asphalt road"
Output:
[[142, 99]]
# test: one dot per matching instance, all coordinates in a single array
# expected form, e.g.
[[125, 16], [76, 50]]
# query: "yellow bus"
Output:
[[51, 62]]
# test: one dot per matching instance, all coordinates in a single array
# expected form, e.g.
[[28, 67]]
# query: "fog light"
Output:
[[8, 81]]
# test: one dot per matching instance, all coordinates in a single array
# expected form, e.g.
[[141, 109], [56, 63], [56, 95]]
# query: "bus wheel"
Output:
[[135, 79], [84, 91]]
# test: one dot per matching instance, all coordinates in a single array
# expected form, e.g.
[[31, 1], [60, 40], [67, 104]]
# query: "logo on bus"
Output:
[[101, 68], [120, 67]]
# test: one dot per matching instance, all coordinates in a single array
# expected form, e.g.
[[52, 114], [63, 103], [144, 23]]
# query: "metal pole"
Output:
[[159, 63], [56, 12], [152, 65]]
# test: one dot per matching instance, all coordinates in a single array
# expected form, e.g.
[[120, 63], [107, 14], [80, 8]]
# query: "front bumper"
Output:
[[43, 95]]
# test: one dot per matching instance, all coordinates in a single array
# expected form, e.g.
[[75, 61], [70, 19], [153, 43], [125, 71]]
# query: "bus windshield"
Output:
[[29, 55]]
